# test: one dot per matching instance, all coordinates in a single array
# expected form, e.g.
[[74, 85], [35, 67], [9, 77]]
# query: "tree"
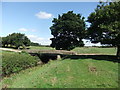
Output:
[[0, 41], [68, 31], [16, 39], [105, 24], [5, 41], [34, 44]]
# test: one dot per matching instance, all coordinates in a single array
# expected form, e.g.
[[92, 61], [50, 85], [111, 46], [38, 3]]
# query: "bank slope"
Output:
[[67, 73]]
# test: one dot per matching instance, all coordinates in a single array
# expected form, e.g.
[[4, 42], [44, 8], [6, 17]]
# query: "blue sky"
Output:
[[35, 18]]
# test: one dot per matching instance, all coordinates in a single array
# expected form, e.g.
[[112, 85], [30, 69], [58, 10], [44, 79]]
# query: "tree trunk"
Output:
[[118, 51]]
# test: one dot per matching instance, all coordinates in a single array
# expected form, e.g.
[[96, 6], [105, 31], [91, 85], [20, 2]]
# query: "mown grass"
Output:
[[41, 48], [95, 50], [67, 73]]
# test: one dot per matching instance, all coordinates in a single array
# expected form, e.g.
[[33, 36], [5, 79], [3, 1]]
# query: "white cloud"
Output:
[[42, 41], [23, 29], [88, 43], [43, 15]]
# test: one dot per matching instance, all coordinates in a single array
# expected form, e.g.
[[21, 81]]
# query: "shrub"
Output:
[[14, 62]]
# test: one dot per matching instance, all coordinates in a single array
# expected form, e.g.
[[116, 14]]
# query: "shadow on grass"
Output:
[[111, 58]]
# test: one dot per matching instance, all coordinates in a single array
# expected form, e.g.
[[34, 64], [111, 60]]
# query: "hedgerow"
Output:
[[14, 62]]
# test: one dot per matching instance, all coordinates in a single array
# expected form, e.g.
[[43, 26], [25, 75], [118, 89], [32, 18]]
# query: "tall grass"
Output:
[[14, 62]]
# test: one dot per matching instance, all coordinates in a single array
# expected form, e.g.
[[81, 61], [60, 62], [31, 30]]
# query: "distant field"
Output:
[[95, 50], [84, 50], [41, 47], [76, 73]]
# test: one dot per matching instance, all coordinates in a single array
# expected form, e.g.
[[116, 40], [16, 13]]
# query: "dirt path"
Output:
[[89, 54], [7, 49]]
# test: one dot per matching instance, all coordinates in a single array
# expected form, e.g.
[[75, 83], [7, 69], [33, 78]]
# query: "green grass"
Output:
[[76, 73], [84, 50], [69, 73], [41, 48], [95, 50]]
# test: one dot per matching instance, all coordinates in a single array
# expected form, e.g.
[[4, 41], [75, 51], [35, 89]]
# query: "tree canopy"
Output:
[[34, 44], [15, 39], [105, 24], [68, 31]]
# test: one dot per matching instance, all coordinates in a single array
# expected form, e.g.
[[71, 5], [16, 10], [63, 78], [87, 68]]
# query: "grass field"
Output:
[[70, 72], [95, 50], [41, 47], [84, 50], [85, 73]]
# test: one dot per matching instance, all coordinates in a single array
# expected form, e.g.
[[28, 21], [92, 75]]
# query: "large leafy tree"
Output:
[[105, 24], [68, 31], [16, 39]]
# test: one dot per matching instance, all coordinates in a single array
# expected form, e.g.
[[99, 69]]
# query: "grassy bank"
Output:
[[75, 73], [14, 62]]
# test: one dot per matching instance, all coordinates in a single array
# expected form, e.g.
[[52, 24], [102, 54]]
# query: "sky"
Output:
[[35, 18]]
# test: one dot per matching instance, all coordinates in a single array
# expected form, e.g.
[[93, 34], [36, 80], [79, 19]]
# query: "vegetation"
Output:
[[83, 70], [15, 40], [41, 48], [0, 41], [105, 24], [67, 73], [14, 62], [68, 31], [83, 50], [95, 50], [34, 44], [70, 72]]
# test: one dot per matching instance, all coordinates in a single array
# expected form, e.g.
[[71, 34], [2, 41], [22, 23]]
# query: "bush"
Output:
[[14, 62]]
